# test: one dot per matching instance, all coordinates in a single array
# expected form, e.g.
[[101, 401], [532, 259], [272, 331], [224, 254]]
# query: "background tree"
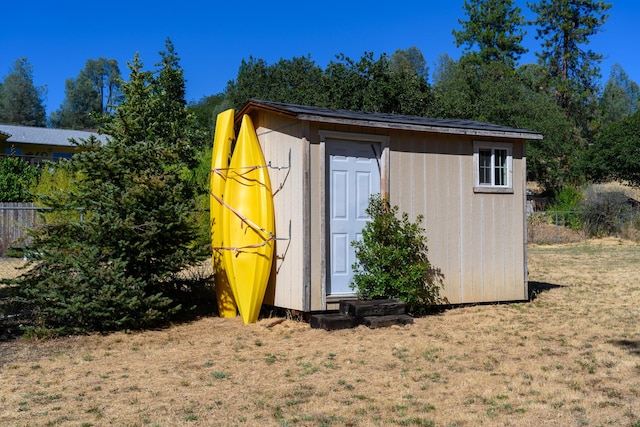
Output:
[[80, 104], [21, 102], [368, 84], [119, 267], [298, 81], [206, 111], [251, 82], [620, 97], [496, 93], [443, 67], [455, 89], [373, 85], [565, 27], [105, 76], [495, 27], [93, 93], [410, 60], [615, 153]]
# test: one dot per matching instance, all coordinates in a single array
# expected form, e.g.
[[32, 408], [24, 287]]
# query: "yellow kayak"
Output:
[[222, 140], [248, 220]]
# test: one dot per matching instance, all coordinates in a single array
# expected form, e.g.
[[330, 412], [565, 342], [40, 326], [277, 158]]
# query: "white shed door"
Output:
[[354, 175]]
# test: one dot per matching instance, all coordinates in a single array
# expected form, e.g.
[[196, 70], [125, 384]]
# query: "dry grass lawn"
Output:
[[569, 358]]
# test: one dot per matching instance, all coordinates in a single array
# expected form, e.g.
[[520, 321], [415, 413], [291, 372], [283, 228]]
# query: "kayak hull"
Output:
[[223, 138], [248, 220]]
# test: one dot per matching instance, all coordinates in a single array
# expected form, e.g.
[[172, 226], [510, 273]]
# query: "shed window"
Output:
[[493, 167]]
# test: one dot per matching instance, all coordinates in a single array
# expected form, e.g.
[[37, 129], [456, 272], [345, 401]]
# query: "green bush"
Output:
[[567, 206], [392, 259], [56, 179], [16, 177]]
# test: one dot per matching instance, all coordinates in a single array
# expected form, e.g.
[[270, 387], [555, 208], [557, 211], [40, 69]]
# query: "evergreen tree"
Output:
[[565, 27], [80, 103], [495, 27], [620, 97], [119, 266], [104, 75], [21, 102]]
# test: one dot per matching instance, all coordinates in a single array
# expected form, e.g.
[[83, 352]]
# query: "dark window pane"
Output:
[[500, 167], [484, 172]]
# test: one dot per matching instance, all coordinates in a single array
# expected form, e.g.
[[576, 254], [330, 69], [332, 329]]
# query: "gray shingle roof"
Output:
[[391, 121], [45, 136]]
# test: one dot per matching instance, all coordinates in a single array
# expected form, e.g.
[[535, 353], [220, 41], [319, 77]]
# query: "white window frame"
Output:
[[492, 187]]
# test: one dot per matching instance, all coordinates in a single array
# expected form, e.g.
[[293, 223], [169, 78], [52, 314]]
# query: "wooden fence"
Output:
[[15, 218]]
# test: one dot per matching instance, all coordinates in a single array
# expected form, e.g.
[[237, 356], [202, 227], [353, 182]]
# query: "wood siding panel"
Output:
[[476, 240], [316, 221], [470, 268]]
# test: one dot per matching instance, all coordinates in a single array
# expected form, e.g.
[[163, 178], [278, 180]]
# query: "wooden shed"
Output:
[[466, 178]]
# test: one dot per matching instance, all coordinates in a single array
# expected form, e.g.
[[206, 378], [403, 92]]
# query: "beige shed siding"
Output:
[[315, 225], [476, 240], [280, 138]]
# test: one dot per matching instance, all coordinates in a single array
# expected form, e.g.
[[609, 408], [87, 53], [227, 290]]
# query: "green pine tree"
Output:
[[117, 266], [21, 102], [495, 27], [565, 28]]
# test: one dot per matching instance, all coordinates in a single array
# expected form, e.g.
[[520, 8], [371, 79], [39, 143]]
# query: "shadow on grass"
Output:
[[633, 347], [536, 288]]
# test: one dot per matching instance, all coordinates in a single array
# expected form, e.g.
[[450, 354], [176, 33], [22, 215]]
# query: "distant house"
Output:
[[466, 178], [35, 144]]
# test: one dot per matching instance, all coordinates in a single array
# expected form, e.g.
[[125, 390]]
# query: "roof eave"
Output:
[[253, 105], [421, 128], [321, 118]]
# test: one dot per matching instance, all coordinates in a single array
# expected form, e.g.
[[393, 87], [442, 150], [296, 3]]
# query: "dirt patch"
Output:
[[10, 268], [569, 357]]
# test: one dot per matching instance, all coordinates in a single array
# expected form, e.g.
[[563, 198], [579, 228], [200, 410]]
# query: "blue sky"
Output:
[[212, 37]]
